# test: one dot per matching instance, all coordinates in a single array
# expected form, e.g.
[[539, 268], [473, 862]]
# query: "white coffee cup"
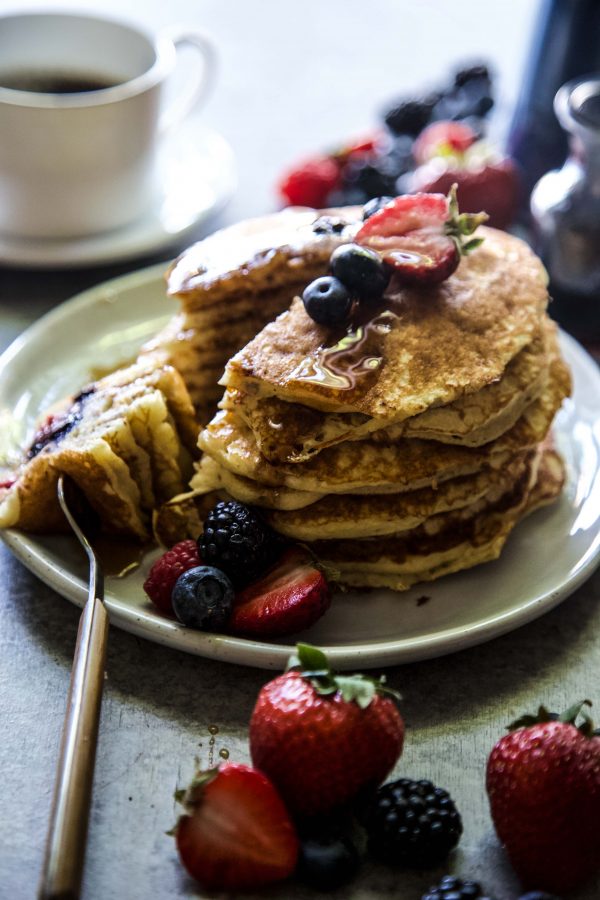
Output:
[[78, 163]]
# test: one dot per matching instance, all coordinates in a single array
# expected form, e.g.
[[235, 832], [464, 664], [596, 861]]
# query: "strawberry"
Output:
[[543, 782], [443, 139], [236, 833], [322, 737], [492, 185], [421, 236], [310, 183], [359, 147], [290, 597], [166, 570], [449, 153]]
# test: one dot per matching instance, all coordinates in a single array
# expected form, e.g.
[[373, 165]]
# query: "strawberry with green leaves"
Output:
[[321, 737], [236, 833], [421, 236], [543, 783]]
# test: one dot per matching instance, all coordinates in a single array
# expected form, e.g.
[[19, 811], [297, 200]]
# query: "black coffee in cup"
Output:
[[43, 82]]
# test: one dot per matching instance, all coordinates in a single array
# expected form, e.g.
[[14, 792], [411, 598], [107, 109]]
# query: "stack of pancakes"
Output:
[[408, 444], [401, 447]]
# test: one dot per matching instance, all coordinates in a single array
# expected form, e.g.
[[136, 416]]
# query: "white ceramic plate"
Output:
[[546, 558], [195, 177]]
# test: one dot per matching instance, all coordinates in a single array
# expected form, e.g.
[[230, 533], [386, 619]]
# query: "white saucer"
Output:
[[195, 178]]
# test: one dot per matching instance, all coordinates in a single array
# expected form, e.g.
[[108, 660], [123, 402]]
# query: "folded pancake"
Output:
[[126, 440]]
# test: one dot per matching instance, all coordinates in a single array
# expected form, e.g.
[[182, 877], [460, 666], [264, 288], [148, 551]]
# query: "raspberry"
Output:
[[166, 570], [311, 182]]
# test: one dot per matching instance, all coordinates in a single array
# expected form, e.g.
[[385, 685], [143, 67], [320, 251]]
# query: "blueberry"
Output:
[[327, 863], [202, 598], [375, 205], [375, 176], [361, 270], [327, 301]]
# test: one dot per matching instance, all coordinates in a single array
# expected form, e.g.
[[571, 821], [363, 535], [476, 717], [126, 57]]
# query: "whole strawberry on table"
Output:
[[543, 783]]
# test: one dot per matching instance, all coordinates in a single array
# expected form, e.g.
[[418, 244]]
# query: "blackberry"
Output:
[[373, 177], [412, 823], [452, 888], [409, 116], [348, 196], [237, 541], [472, 73]]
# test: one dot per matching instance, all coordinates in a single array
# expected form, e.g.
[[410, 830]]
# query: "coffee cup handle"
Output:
[[201, 85]]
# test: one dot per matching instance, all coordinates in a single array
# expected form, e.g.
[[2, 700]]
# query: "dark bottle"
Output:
[[565, 208], [566, 46]]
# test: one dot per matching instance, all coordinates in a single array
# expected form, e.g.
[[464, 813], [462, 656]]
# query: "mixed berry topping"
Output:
[[412, 823], [416, 238]]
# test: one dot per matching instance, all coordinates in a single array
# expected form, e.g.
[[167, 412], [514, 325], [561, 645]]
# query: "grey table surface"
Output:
[[293, 77]]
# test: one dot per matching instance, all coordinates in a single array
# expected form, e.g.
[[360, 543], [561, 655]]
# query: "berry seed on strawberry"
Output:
[[292, 596], [164, 573], [322, 738], [543, 784], [235, 834]]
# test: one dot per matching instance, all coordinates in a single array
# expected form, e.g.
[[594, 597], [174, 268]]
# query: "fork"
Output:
[[67, 832]]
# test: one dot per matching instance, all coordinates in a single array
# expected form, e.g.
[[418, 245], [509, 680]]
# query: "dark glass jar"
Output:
[[565, 207]]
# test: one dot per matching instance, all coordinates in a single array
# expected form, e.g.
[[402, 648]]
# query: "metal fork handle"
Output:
[[67, 833]]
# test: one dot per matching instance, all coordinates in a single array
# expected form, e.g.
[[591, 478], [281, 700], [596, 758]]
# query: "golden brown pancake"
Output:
[[426, 347]]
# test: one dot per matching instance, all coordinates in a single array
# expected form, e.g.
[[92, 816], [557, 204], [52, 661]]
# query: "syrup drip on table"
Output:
[[353, 357]]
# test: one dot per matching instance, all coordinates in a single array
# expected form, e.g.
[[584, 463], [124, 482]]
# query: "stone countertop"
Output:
[[158, 703]]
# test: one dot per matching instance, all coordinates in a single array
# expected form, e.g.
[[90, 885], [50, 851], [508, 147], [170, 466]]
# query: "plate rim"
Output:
[[262, 654]]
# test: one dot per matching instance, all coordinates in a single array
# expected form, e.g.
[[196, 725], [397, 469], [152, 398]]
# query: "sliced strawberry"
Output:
[[236, 833], [405, 213], [421, 236], [423, 256], [310, 183], [289, 598], [443, 139]]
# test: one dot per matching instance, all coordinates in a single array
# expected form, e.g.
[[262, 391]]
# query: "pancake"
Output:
[[400, 563], [425, 348], [378, 467], [125, 440], [341, 516], [291, 432]]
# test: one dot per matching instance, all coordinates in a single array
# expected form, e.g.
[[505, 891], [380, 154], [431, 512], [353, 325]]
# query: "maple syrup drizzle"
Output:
[[352, 358]]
